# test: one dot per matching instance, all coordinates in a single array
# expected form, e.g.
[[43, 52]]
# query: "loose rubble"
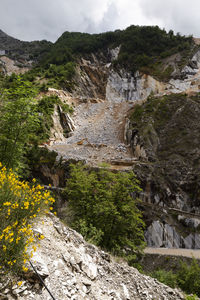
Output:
[[74, 269], [97, 135]]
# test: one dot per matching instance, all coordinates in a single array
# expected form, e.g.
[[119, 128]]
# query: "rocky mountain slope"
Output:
[[160, 143], [159, 140], [142, 116], [168, 129], [74, 269], [18, 56]]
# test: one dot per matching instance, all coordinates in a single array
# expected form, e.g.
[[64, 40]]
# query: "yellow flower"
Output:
[[24, 269], [30, 240], [15, 224], [41, 237], [18, 239], [7, 203], [19, 283]]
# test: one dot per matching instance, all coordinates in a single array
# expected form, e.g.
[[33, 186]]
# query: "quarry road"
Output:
[[174, 252]]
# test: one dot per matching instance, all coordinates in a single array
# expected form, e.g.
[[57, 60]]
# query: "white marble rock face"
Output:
[[163, 235]]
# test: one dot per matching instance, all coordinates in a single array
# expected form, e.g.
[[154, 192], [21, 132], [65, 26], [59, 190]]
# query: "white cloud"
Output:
[[179, 15], [38, 19], [48, 19]]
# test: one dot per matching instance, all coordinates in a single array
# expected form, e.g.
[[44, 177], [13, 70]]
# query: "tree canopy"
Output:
[[103, 206]]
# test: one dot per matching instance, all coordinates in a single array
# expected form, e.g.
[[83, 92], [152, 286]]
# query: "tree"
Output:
[[104, 203], [18, 120], [188, 277]]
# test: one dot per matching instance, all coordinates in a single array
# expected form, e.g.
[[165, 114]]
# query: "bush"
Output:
[[103, 205], [191, 297], [20, 204], [188, 277], [168, 278]]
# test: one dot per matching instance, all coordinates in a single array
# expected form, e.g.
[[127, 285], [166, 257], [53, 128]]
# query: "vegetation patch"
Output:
[[20, 204], [45, 109], [187, 278], [25, 121], [143, 48], [103, 208]]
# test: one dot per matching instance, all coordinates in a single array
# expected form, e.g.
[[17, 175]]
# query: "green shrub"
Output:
[[168, 278], [90, 233], [188, 277], [104, 203], [18, 120], [191, 297]]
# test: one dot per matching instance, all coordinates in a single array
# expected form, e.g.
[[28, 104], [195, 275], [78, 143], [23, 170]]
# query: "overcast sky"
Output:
[[48, 19]]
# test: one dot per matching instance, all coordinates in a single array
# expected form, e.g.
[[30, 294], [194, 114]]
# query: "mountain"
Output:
[[135, 96], [139, 120], [127, 90], [20, 54]]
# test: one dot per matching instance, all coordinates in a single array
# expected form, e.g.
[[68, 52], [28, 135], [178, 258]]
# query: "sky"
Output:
[[48, 19]]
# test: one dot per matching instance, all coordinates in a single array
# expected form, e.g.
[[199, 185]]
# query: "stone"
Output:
[[89, 267], [3, 297], [192, 222], [92, 274], [126, 293], [40, 266], [154, 234]]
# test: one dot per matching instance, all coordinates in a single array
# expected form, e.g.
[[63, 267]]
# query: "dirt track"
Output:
[[174, 252]]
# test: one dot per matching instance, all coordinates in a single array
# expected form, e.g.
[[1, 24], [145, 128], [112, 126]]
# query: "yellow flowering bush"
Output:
[[20, 204]]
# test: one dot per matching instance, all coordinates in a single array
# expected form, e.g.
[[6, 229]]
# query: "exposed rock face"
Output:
[[167, 148], [164, 134], [75, 269], [91, 77], [9, 66], [20, 55], [63, 125], [164, 235], [168, 131], [102, 99], [122, 86], [96, 78]]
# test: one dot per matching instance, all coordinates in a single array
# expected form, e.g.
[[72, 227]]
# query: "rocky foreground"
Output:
[[73, 269]]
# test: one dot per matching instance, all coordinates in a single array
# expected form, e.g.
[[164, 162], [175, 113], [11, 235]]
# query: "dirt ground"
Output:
[[174, 252]]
